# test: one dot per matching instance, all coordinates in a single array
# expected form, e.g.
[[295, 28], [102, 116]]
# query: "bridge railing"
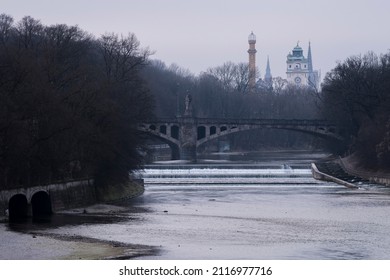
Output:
[[265, 121], [228, 121]]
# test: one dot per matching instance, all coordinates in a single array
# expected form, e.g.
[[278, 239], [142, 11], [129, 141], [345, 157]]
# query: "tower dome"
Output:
[[300, 69], [297, 51], [252, 38]]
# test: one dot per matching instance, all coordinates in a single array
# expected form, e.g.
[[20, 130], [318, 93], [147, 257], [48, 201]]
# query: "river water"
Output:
[[249, 206]]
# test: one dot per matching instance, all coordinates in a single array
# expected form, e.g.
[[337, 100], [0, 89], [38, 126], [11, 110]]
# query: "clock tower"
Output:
[[300, 69]]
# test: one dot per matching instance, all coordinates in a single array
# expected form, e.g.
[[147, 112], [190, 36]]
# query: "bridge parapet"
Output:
[[263, 121]]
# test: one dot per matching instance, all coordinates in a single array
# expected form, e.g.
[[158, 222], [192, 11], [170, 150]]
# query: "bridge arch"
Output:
[[168, 133], [201, 132], [18, 206], [213, 130], [165, 132], [328, 133], [41, 203], [175, 130], [175, 154]]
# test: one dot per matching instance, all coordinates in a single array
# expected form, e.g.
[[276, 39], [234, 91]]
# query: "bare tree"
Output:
[[356, 94], [68, 100], [232, 76]]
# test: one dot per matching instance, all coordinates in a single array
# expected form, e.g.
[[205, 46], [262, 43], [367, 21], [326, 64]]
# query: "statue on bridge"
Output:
[[188, 106]]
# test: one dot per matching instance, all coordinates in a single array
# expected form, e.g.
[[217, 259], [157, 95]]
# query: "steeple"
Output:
[[309, 61], [312, 77], [268, 75]]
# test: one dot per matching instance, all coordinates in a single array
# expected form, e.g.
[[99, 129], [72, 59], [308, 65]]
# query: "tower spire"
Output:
[[268, 75], [309, 60], [313, 77]]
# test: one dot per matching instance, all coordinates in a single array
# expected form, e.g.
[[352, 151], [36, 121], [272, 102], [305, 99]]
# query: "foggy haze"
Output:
[[198, 34]]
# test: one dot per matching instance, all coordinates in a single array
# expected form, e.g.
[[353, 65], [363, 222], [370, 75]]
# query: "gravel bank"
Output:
[[43, 245]]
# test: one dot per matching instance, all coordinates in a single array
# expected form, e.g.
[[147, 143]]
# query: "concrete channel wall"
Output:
[[326, 177], [69, 195]]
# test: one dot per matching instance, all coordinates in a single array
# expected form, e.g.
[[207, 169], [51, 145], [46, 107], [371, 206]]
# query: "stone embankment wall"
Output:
[[65, 196], [74, 194], [327, 177]]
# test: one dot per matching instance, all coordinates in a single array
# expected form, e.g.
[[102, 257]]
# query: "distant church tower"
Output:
[[268, 75], [300, 69], [314, 76], [252, 60]]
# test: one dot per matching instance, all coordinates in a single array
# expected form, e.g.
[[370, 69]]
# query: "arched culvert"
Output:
[[41, 204], [18, 206]]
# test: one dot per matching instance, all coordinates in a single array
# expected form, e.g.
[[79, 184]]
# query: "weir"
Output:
[[217, 175]]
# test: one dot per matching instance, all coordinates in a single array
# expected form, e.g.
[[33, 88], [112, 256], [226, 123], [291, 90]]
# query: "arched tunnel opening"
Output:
[[18, 207], [41, 204]]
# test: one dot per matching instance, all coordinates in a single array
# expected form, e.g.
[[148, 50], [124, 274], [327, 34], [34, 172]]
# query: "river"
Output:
[[248, 206]]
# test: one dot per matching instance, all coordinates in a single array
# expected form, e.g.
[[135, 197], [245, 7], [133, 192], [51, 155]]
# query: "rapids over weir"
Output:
[[226, 174]]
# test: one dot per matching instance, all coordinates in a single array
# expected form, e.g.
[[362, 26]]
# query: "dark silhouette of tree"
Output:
[[127, 103], [356, 95], [69, 104]]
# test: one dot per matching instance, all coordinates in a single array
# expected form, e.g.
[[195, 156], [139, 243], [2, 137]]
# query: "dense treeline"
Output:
[[222, 92], [69, 104], [356, 94]]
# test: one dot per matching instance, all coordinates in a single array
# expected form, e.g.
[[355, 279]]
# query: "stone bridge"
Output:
[[185, 134]]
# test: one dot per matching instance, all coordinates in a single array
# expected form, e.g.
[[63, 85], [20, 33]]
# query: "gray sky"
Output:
[[198, 34]]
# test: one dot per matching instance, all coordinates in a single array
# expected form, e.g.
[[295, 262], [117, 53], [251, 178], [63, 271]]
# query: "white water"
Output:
[[223, 172], [201, 176]]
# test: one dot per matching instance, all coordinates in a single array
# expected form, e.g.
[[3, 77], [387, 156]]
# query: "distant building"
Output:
[[299, 72], [300, 69], [252, 60]]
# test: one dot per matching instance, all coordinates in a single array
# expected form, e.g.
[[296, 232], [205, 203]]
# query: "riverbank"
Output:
[[38, 244], [344, 171], [349, 164]]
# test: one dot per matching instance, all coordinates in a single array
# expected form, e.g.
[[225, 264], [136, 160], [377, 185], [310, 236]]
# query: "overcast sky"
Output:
[[198, 34]]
